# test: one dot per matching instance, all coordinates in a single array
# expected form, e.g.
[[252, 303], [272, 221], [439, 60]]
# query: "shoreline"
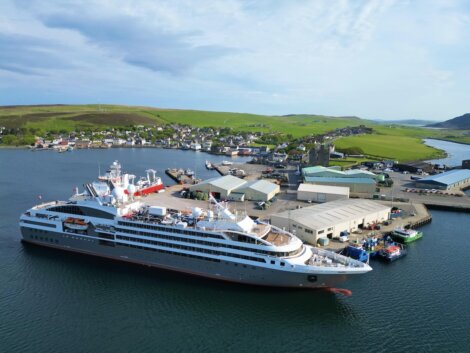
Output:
[[426, 159], [437, 139]]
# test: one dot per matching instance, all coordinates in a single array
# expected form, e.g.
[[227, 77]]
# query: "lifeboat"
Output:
[[76, 224]]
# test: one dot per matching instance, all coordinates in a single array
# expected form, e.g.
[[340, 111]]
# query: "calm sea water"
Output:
[[56, 302]]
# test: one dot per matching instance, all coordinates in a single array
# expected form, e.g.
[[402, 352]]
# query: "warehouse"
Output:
[[321, 193], [453, 179], [220, 187], [357, 186], [232, 188], [329, 219], [335, 172], [258, 190]]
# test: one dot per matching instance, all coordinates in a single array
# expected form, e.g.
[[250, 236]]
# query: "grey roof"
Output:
[[327, 189], [330, 213], [447, 178], [227, 182], [263, 186], [309, 179]]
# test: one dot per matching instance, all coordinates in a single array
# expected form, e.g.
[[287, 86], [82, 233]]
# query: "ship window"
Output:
[[283, 263], [273, 262]]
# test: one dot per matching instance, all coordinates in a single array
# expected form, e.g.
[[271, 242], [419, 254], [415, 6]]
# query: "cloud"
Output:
[[29, 55], [382, 58], [137, 42]]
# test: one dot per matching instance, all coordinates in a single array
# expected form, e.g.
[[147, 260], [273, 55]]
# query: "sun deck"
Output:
[[278, 239]]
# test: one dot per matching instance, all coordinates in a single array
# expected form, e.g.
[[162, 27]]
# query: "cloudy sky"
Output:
[[375, 59]]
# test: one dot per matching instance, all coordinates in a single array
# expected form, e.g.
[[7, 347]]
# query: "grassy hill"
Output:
[[388, 141], [72, 117]]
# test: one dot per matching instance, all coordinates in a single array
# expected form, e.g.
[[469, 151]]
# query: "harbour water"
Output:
[[56, 302]]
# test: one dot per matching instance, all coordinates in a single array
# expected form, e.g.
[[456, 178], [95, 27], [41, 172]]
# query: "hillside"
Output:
[[77, 117], [458, 123], [388, 140]]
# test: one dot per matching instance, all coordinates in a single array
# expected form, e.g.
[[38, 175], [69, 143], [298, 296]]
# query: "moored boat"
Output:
[[357, 252], [144, 186], [391, 253], [209, 165], [214, 243], [226, 163], [405, 236]]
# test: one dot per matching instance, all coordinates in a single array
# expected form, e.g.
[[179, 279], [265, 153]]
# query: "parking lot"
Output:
[[402, 183]]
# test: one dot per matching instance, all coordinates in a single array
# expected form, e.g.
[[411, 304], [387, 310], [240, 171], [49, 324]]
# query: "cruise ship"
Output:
[[106, 221]]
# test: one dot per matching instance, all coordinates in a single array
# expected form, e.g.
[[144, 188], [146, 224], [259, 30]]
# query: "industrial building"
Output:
[[335, 172], [355, 185], [329, 219], [258, 190], [219, 187], [457, 178], [232, 188], [321, 193]]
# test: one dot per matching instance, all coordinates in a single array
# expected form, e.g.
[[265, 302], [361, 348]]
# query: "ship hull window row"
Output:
[[208, 243], [190, 248]]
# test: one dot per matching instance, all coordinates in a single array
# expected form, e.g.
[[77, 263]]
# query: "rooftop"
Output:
[[227, 182], [335, 171], [339, 180], [331, 213], [339, 190], [447, 178], [259, 185]]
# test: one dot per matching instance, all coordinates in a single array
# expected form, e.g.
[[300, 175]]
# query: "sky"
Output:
[[381, 59]]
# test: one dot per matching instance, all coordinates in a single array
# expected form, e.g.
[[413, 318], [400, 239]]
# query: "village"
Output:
[[222, 141]]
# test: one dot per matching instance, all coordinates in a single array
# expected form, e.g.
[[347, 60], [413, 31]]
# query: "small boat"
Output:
[[405, 236], [76, 224], [209, 165], [227, 163], [357, 252], [189, 172], [391, 253]]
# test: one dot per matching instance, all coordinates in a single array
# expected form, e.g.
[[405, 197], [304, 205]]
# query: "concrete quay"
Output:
[[179, 176]]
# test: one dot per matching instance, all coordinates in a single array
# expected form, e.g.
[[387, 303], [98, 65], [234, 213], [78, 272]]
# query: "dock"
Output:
[[180, 177]]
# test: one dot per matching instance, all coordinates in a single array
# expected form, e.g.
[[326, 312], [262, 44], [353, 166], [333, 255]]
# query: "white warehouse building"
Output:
[[229, 187], [258, 190], [321, 193], [329, 219]]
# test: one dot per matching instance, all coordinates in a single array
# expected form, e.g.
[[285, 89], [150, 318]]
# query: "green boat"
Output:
[[405, 236]]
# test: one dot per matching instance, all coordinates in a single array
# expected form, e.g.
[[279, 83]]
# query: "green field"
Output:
[[401, 148], [388, 141], [74, 117]]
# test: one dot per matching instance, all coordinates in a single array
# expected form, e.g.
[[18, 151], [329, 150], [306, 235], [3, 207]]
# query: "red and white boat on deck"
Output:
[[145, 185]]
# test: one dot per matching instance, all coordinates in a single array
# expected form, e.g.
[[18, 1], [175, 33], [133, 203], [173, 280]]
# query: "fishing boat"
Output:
[[189, 172], [145, 185], [405, 236], [391, 253]]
